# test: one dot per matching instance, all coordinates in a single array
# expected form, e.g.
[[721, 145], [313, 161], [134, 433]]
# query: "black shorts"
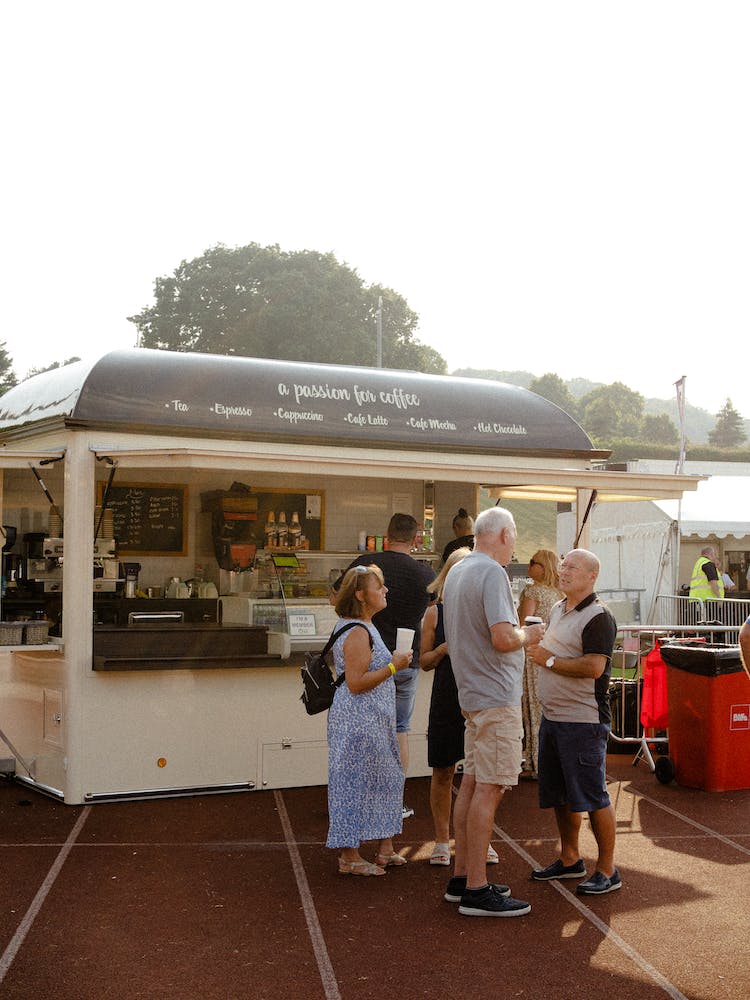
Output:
[[445, 744]]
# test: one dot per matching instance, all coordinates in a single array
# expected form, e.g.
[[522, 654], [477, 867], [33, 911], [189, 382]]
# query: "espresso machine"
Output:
[[44, 562]]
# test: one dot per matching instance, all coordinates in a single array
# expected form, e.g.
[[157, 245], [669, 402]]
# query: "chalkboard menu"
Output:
[[149, 518]]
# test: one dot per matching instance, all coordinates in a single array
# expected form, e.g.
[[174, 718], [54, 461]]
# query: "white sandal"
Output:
[[441, 855]]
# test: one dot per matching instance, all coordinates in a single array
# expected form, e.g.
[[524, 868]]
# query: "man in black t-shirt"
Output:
[[406, 580]]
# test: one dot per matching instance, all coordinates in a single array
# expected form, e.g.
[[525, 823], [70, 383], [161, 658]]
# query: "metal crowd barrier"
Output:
[[669, 610], [632, 646], [731, 611]]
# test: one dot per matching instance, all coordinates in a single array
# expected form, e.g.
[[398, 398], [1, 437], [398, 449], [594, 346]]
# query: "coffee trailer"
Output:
[[182, 457]]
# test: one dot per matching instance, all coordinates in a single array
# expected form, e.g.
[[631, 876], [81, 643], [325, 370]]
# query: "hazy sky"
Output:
[[552, 186]]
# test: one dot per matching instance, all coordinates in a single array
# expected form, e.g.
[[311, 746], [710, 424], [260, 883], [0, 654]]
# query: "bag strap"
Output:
[[336, 633], [332, 639]]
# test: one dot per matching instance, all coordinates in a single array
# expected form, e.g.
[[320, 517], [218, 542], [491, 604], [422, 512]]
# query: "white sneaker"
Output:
[[406, 812]]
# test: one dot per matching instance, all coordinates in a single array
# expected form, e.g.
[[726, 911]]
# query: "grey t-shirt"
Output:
[[587, 628], [476, 596]]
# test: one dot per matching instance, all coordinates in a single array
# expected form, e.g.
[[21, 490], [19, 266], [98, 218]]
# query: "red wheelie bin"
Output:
[[709, 716]]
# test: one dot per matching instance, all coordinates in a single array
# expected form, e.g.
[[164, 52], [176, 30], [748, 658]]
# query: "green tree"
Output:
[[512, 378], [729, 431], [255, 301], [611, 411], [49, 368], [552, 387], [7, 375], [658, 429]]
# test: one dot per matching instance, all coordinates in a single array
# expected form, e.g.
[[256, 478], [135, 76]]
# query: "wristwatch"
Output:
[[550, 662]]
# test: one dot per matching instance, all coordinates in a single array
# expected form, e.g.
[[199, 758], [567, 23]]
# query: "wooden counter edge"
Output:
[[125, 663]]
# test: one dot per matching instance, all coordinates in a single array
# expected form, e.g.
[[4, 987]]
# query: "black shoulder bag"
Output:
[[318, 684]]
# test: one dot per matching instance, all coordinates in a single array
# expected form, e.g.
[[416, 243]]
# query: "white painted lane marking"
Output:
[[38, 901], [325, 967], [691, 822], [643, 964]]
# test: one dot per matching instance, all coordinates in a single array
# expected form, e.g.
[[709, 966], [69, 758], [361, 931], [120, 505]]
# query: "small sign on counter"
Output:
[[301, 624]]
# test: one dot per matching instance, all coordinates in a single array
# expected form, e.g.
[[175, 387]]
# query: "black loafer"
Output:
[[558, 870], [599, 884]]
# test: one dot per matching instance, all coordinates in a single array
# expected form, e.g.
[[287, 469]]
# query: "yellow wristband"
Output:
[[392, 669]]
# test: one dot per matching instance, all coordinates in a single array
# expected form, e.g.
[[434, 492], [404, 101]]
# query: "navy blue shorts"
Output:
[[572, 765]]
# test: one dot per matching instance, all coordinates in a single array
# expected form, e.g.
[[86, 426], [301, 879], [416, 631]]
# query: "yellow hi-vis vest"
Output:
[[699, 585]]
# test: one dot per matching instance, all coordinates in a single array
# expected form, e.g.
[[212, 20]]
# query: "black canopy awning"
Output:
[[231, 397]]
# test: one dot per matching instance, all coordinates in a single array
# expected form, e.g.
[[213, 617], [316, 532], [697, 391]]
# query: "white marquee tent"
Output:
[[641, 550]]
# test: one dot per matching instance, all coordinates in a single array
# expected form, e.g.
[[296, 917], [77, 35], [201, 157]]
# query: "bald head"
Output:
[[578, 572]]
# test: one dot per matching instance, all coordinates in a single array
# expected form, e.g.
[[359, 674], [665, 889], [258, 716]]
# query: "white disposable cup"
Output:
[[404, 639], [532, 620]]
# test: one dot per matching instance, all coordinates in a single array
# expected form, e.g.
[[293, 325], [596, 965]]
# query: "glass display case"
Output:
[[288, 594], [305, 622]]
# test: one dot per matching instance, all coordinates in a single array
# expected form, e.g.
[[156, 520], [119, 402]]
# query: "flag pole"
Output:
[[679, 469]]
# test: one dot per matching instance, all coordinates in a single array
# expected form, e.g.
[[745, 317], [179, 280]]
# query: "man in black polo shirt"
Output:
[[406, 580], [573, 687]]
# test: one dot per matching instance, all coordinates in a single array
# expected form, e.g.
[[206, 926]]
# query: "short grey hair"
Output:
[[492, 521]]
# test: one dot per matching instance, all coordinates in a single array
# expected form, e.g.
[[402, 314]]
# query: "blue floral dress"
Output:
[[365, 780]]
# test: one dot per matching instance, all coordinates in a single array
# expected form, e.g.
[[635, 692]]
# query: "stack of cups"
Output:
[[55, 523], [107, 529]]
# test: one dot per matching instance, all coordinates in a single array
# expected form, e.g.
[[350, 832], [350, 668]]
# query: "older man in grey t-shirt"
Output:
[[486, 647]]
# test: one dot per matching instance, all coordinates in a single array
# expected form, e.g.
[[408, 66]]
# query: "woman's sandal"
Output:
[[390, 860], [359, 868], [441, 855]]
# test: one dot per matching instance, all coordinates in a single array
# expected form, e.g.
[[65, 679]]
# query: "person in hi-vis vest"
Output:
[[705, 582]]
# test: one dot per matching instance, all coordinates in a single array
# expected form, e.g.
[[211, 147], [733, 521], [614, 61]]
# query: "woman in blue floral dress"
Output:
[[365, 778]]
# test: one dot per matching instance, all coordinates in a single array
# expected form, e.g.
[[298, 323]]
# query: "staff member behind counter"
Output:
[[463, 529], [406, 581]]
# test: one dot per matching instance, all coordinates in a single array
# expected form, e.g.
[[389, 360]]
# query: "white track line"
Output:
[[325, 967], [36, 904], [669, 988], [645, 966], [691, 822]]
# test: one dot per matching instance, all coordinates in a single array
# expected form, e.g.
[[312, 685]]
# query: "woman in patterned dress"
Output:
[[365, 779], [536, 599]]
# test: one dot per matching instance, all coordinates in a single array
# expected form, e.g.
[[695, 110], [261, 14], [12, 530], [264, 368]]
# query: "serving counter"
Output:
[[179, 646]]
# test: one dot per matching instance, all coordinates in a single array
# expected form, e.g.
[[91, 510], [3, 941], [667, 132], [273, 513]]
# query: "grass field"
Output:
[[536, 522]]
